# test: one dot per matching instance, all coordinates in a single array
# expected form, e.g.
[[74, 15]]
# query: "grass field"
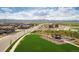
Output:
[[33, 43]]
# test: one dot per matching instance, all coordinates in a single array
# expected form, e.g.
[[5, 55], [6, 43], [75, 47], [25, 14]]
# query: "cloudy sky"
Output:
[[50, 13]]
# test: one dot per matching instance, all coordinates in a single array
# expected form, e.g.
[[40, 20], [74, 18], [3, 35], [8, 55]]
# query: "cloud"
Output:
[[60, 13], [6, 9]]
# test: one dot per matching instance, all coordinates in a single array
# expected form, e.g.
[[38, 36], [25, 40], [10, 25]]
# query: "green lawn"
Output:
[[33, 43]]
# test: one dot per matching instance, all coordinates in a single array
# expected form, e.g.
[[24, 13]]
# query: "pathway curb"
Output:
[[16, 44]]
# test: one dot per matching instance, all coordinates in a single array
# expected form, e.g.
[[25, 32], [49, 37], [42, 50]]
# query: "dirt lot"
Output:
[[76, 41], [49, 38]]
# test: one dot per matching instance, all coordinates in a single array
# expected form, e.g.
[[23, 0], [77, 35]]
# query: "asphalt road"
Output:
[[6, 41]]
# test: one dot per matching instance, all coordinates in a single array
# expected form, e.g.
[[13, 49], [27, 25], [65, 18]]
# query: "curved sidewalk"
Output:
[[28, 32]]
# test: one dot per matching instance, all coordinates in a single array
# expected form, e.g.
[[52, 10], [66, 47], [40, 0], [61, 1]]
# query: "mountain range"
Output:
[[34, 21]]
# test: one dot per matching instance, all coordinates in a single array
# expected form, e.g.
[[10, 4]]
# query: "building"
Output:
[[56, 36], [7, 29], [53, 26], [25, 26]]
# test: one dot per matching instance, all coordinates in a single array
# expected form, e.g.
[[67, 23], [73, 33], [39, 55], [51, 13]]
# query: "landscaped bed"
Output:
[[33, 43]]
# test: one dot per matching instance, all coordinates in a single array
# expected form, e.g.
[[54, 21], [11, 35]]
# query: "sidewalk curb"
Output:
[[16, 44]]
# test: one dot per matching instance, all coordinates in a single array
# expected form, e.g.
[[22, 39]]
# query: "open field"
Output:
[[33, 43], [69, 23]]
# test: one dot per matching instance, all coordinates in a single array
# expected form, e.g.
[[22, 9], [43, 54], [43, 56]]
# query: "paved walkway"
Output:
[[71, 43]]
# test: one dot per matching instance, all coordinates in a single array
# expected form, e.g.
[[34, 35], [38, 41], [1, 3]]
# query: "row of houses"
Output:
[[25, 26], [48, 26], [53, 25], [9, 28]]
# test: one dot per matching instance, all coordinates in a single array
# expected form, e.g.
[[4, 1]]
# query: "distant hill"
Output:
[[23, 21], [34, 21]]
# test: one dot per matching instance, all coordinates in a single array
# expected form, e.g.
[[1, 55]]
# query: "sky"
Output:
[[30, 13]]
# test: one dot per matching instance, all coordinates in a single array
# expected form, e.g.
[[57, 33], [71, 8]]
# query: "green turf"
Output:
[[33, 43]]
